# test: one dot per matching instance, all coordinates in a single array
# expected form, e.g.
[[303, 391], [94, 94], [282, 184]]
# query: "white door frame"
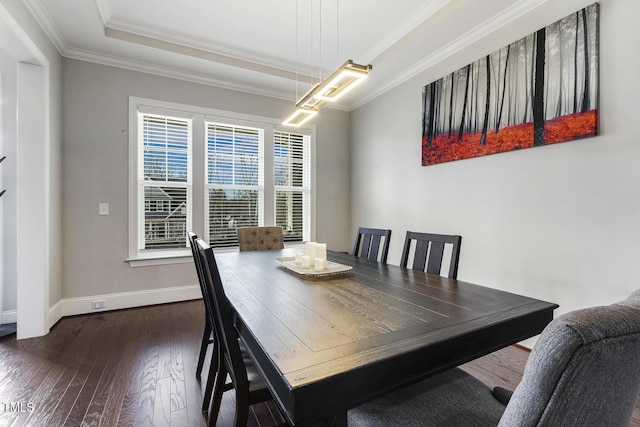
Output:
[[32, 183]]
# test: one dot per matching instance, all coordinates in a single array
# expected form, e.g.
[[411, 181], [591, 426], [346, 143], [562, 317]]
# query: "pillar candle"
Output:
[[306, 261], [321, 251], [319, 264], [310, 250]]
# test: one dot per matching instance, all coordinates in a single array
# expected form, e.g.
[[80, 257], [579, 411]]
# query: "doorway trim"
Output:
[[32, 190]]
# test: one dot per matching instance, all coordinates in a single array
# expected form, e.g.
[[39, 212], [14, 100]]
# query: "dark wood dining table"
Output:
[[326, 345]]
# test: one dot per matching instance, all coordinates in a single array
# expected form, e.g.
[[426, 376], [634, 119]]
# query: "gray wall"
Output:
[[95, 162], [561, 223]]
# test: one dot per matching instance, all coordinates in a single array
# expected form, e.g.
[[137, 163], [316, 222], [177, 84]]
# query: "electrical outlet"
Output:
[[97, 304]]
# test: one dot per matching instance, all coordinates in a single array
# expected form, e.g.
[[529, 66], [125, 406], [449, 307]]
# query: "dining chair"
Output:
[[234, 360], [209, 336], [260, 238], [429, 251], [368, 242], [584, 370]]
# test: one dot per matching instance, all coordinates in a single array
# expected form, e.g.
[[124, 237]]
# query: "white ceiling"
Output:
[[278, 47]]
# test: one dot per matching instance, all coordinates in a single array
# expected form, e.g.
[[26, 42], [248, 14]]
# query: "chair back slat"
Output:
[[435, 257], [429, 252], [368, 243], [374, 249], [366, 246]]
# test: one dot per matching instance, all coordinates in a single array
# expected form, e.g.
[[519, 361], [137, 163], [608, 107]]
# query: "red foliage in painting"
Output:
[[565, 128]]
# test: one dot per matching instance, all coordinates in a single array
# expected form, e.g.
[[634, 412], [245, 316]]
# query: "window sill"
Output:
[[159, 258], [150, 259]]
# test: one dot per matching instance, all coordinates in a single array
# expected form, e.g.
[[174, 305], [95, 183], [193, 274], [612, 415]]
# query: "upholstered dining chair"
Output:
[[260, 238], [429, 251], [584, 370], [369, 241], [233, 360]]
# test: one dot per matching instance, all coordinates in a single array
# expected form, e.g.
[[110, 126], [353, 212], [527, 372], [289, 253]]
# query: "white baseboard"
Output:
[[9, 316], [84, 305]]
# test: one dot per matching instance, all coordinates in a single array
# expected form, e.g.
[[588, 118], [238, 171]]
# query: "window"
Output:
[[212, 171], [235, 184], [164, 174], [292, 181]]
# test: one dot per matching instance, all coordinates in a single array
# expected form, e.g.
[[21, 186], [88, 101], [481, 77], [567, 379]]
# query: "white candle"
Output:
[[310, 249], [306, 261], [321, 251], [319, 265], [298, 258]]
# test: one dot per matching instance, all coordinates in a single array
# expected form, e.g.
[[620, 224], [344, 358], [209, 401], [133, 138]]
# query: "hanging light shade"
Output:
[[342, 81], [300, 116], [345, 78]]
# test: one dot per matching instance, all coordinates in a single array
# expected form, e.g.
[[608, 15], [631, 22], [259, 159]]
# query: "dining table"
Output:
[[326, 343]]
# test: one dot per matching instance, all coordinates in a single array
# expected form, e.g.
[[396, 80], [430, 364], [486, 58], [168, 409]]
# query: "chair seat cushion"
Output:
[[435, 401], [256, 381]]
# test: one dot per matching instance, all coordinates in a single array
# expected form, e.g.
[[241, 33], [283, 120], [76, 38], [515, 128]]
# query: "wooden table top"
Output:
[[329, 344]]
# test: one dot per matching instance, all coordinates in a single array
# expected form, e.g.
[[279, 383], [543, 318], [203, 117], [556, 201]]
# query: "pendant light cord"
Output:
[[297, 59], [320, 43]]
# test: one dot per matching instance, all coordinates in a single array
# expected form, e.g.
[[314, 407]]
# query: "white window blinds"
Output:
[[235, 186], [164, 177], [292, 182], [212, 171]]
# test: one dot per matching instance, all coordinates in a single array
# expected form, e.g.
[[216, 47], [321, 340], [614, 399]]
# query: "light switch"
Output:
[[103, 208]]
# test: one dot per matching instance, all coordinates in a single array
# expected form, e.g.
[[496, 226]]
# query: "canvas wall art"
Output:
[[539, 90]]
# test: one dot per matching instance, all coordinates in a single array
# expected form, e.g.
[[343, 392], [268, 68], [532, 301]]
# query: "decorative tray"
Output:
[[333, 268]]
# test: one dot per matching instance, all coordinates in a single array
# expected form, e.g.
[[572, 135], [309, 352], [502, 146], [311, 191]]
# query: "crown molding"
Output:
[[198, 48], [174, 73], [466, 40], [429, 9], [44, 20]]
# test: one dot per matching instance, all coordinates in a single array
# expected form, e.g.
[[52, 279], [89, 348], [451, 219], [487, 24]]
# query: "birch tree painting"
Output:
[[539, 90]]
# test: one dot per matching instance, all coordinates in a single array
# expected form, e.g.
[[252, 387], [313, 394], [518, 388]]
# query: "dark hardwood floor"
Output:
[[136, 368]]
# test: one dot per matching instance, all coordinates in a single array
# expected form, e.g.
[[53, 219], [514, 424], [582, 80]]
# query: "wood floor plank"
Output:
[[125, 373], [162, 403], [147, 394], [43, 413], [40, 397], [99, 349], [127, 417], [98, 404], [137, 367]]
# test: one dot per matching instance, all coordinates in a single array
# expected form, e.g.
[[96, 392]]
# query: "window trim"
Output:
[[199, 116]]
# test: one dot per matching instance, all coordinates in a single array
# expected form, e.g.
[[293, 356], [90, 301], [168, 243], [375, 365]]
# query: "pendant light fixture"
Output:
[[343, 80]]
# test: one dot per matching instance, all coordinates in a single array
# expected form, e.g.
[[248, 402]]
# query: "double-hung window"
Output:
[[164, 181], [212, 171], [235, 181], [292, 182]]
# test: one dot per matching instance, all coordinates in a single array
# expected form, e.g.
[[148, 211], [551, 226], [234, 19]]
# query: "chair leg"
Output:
[[212, 378], [218, 390], [242, 408], [206, 340]]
